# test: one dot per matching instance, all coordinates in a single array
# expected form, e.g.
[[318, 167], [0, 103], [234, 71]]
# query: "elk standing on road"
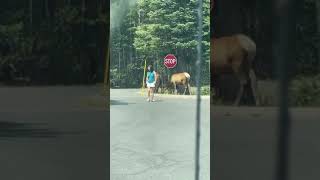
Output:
[[159, 83], [235, 54], [181, 79]]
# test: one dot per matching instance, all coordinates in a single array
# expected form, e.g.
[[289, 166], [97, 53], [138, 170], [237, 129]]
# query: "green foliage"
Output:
[[214, 99], [305, 57], [307, 61], [136, 71], [146, 39], [116, 78], [62, 41], [305, 91], [205, 74], [11, 30], [205, 90], [150, 29], [121, 79]]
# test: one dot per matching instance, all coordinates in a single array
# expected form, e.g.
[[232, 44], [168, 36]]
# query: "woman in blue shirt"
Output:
[[151, 82]]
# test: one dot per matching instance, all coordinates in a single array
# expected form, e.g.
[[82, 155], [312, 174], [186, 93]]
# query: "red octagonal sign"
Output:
[[170, 61]]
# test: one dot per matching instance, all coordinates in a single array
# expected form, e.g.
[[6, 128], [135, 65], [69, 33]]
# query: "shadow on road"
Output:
[[116, 102], [158, 100], [24, 130]]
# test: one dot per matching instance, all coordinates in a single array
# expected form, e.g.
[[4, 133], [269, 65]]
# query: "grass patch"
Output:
[[205, 91], [215, 100], [305, 91]]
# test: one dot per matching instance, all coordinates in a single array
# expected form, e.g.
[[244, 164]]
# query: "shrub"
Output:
[[205, 90], [305, 91]]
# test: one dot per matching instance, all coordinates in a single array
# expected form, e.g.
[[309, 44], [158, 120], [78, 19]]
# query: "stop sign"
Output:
[[170, 61]]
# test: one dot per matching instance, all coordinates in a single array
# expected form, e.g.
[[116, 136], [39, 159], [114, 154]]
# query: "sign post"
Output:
[[144, 76], [106, 81], [198, 79]]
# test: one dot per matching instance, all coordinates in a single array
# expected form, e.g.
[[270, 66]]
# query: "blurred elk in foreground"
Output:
[[234, 54]]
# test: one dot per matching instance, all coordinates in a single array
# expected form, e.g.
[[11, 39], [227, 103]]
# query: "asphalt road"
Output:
[[245, 143], [156, 140], [52, 134]]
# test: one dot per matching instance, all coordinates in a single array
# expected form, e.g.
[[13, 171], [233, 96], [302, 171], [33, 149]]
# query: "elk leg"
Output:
[[162, 87], [175, 88], [156, 89], [185, 88], [254, 87], [243, 81], [236, 66], [189, 89], [239, 95]]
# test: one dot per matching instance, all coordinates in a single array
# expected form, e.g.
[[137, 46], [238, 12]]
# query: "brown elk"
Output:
[[159, 83], [181, 79], [235, 54]]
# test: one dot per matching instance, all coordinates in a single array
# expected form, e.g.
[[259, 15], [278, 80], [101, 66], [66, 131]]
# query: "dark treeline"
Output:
[[255, 18], [54, 42]]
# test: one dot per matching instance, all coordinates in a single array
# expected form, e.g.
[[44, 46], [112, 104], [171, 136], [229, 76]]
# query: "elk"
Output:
[[181, 79], [235, 54], [159, 83]]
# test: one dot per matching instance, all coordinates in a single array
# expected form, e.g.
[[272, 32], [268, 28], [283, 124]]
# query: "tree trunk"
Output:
[[318, 31], [83, 8], [31, 14], [228, 19], [124, 59], [119, 66], [106, 82], [263, 63], [46, 4]]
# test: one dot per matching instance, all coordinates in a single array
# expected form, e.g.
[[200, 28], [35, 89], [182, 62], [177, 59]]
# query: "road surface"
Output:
[[56, 133], [145, 145], [51, 133], [245, 143], [156, 140]]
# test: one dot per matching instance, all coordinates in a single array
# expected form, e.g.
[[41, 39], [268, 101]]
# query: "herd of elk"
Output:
[[234, 54]]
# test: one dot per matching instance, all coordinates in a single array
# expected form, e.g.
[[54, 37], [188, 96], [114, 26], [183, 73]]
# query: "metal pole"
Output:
[[283, 52], [198, 79], [106, 82], [318, 31], [144, 77], [119, 66]]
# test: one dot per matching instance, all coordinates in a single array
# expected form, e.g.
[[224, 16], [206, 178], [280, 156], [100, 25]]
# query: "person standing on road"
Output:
[[151, 83]]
